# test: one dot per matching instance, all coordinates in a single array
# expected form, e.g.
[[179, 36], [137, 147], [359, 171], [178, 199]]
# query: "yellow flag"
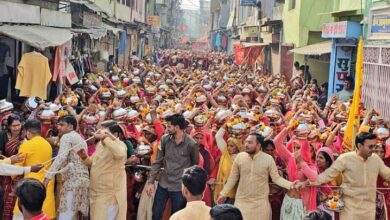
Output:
[[353, 122]]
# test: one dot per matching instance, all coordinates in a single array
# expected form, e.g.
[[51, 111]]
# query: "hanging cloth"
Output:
[[33, 75], [59, 65]]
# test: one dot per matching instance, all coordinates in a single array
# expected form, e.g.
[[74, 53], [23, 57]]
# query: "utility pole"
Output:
[[259, 14]]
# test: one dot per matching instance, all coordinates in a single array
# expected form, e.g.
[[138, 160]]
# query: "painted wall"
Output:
[[318, 69], [224, 15], [123, 12], [291, 25], [300, 23], [106, 5], [138, 11], [343, 5], [304, 18], [53, 5], [267, 8]]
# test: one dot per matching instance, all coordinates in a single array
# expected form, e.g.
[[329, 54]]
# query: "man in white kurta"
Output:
[[252, 169], [108, 191]]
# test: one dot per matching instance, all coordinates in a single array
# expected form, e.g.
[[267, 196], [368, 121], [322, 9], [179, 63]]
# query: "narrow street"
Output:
[[195, 109]]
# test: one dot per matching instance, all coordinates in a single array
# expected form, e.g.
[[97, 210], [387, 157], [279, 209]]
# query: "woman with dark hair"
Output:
[[382, 196], [324, 160], [276, 193], [10, 141], [318, 215], [229, 148]]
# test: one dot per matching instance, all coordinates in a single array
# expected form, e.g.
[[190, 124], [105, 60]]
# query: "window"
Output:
[[292, 4], [125, 2]]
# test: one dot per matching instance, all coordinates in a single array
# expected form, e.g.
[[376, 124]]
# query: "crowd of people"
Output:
[[182, 135]]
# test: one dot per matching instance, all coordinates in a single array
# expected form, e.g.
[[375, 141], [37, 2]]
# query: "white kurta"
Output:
[[7, 169]]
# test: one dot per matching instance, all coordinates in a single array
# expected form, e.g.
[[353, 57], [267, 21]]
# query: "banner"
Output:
[[200, 46], [122, 44], [154, 22], [70, 74], [342, 68], [247, 55], [353, 122], [239, 54]]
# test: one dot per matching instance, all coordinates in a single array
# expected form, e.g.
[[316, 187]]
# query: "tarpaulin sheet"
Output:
[[37, 36]]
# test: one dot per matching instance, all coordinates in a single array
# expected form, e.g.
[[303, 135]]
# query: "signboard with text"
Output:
[[248, 2], [335, 30], [380, 24], [342, 66]]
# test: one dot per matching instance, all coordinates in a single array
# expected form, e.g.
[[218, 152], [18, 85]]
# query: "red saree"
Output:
[[8, 184]]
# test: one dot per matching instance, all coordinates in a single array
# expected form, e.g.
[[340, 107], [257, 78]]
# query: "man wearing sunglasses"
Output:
[[360, 170]]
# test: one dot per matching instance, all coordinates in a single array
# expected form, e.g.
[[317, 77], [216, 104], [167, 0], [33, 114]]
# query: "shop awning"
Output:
[[246, 44], [314, 49], [107, 27], [37, 36], [98, 29], [93, 33]]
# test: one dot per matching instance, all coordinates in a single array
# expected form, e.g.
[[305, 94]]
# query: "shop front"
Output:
[[315, 57], [345, 36], [219, 40], [37, 40]]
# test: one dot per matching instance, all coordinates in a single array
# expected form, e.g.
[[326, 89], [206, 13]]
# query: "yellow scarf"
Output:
[[225, 166]]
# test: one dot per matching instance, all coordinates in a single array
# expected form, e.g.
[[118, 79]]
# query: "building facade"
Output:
[[376, 62], [302, 26]]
